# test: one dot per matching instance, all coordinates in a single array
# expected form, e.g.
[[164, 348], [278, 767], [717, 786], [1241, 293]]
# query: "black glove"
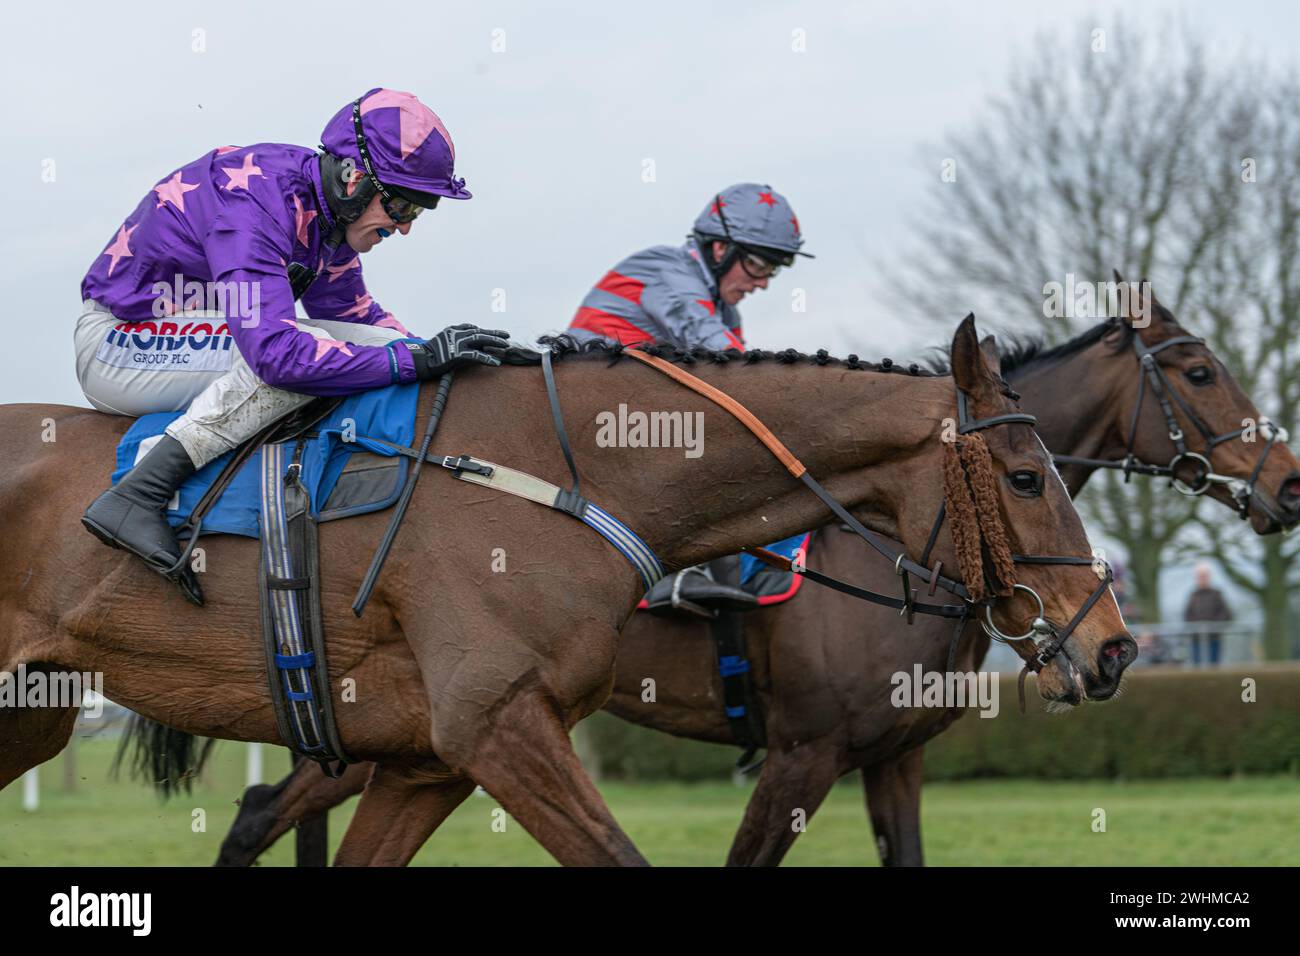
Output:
[[456, 346]]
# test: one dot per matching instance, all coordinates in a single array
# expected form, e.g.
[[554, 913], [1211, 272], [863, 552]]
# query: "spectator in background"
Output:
[[1205, 606]]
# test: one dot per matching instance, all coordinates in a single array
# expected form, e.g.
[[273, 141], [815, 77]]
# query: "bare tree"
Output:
[[1137, 150], [1255, 319]]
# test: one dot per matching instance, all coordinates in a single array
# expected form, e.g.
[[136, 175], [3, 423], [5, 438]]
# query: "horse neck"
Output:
[[1078, 403], [864, 435]]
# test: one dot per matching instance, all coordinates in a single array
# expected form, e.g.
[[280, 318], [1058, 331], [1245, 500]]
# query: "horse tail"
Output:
[[170, 759]]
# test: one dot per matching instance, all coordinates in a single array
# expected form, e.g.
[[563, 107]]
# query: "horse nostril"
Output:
[[1289, 495], [1119, 651]]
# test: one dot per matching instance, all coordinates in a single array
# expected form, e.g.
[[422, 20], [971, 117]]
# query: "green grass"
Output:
[[1215, 822]]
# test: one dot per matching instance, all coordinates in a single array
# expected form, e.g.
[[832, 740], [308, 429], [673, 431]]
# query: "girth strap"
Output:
[[740, 700], [292, 623]]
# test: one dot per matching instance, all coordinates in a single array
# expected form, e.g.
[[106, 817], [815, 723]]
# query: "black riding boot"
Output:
[[133, 513]]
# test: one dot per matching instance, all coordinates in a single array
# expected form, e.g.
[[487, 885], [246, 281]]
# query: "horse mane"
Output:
[[1017, 355], [1020, 352], [564, 346], [1025, 352]]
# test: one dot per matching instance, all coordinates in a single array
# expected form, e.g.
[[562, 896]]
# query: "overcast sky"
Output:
[[552, 133]]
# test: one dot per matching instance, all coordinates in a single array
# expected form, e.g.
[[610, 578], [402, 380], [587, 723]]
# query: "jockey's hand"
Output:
[[456, 346]]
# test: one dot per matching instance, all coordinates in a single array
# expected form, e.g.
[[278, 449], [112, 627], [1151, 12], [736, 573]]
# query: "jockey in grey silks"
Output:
[[688, 296]]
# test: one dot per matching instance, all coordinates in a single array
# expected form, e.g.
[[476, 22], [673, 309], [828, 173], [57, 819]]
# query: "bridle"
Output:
[[1049, 640], [1152, 375]]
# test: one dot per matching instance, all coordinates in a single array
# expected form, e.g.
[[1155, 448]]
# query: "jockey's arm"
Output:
[[284, 356], [339, 294], [685, 312], [263, 324]]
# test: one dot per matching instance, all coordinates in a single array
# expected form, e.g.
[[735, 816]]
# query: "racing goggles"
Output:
[[755, 266]]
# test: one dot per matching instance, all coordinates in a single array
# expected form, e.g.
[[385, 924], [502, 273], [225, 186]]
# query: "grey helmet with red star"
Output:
[[750, 217]]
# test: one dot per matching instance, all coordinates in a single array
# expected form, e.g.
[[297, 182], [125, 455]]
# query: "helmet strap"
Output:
[[364, 152], [344, 208], [718, 267]]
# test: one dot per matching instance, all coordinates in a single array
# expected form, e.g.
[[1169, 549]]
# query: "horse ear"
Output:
[[992, 354], [1138, 306], [972, 369], [1118, 278]]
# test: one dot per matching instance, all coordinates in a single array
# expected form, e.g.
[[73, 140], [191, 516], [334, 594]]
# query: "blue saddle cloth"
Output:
[[750, 565], [387, 414]]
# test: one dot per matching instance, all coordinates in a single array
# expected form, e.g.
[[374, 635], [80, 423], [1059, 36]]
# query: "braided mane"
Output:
[[566, 346]]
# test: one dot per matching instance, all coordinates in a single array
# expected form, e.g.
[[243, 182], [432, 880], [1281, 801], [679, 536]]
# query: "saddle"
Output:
[[331, 459]]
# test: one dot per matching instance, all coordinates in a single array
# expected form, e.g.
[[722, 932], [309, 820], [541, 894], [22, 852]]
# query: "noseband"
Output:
[[1151, 374]]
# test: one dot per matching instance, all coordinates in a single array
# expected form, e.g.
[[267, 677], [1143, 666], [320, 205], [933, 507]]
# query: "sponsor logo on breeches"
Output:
[[197, 346]]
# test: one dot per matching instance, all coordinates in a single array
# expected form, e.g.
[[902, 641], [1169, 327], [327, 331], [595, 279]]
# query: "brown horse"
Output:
[[463, 675], [823, 662]]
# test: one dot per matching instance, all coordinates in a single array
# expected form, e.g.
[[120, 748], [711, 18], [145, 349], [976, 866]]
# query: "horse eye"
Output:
[[1027, 482], [1199, 375]]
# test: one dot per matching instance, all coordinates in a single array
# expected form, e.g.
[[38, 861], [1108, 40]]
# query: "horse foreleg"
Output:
[[267, 812], [29, 736], [526, 761], [893, 790], [791, 786], [399, 808]]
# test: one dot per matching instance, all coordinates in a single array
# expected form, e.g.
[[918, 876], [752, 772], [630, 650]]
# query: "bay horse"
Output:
[[464, 674], [823, 661]]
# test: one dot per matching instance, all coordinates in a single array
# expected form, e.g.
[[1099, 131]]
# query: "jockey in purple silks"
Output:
[[191, 306], [687, 296]]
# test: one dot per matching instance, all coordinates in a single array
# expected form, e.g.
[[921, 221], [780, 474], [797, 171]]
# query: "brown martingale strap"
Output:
[[737, 410]]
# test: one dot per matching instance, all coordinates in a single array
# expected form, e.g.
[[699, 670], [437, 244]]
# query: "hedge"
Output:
[[1166, 723]]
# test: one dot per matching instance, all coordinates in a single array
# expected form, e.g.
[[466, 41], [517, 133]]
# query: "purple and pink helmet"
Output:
[[408, 145]]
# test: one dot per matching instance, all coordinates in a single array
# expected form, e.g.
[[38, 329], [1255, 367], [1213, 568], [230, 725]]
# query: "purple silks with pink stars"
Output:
[[242, 215]]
